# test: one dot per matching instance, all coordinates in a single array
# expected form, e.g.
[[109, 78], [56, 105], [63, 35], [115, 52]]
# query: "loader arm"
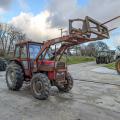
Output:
[[71, 40]]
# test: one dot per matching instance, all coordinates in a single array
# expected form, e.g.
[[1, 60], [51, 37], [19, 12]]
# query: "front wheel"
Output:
[[66, 87], [40, 86]]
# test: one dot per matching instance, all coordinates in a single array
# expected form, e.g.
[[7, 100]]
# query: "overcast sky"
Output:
[[40, 19]]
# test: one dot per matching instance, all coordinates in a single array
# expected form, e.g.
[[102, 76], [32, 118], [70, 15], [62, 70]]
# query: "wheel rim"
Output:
[[11, 78], [37, 87]]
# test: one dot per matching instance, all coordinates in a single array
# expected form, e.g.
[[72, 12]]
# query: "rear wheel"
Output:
[[97, 60], [101, 60], [14, 76], [117, 65], [110, 60], [40, 86], [105, 60], [66, 87]]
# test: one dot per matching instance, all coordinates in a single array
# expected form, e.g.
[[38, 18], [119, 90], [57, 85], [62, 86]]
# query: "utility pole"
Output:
[[61, 30], [66, 32]]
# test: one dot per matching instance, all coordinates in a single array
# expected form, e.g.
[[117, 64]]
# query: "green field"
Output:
[[78, 59], [110, 65]]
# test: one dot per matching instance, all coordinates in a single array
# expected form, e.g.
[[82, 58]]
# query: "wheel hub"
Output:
[[37, 87]]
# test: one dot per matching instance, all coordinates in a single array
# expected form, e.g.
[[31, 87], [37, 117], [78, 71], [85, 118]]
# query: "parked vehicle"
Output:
[[3, 64], [105, 57]]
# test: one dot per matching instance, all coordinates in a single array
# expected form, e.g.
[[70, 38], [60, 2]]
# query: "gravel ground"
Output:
[[95, 96]]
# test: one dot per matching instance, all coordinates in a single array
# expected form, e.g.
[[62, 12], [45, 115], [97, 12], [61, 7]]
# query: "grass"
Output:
[[110, 65], [78, 59]]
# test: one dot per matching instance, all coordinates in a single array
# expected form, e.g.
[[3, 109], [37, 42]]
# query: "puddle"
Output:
[[104, 70]]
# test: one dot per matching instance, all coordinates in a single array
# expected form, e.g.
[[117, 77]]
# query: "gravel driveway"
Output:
[[95, 96]]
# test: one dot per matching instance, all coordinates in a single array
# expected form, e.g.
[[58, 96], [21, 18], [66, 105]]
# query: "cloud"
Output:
[[101, 10], [24, 6], [45, 25], [67, 9], [2, 11], [116, 40], [62, 11], [5, 4], [36, 27]]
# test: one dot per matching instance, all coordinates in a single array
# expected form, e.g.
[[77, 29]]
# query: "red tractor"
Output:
[[34, 62]]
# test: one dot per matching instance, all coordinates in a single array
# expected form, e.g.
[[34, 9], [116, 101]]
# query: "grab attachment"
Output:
[[90, 28]]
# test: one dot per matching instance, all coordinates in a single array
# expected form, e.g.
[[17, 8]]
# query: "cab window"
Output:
[[24, 52], [34, 50], [17, 52]]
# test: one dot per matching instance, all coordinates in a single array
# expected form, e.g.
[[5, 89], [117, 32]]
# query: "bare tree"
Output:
[[83, 50], [118, 48], [9, 36], [93, 47], [101, 46]]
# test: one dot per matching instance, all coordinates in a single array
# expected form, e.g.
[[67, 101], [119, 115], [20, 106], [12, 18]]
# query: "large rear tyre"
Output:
[[100, 60], [107, 60], [14, 76], [97, 61], [110, 60], [103, 60], [40, 86], [117, 65], [66, 87]]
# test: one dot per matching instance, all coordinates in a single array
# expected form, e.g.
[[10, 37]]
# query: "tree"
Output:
[[118, 48], [83, 49], [100, 46], [93, 47], [9, 36]]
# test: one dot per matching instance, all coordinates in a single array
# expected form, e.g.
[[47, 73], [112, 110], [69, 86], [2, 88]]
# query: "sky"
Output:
[[41, 19]]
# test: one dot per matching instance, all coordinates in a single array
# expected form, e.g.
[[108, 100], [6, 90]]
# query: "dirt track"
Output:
[[95, 96]]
